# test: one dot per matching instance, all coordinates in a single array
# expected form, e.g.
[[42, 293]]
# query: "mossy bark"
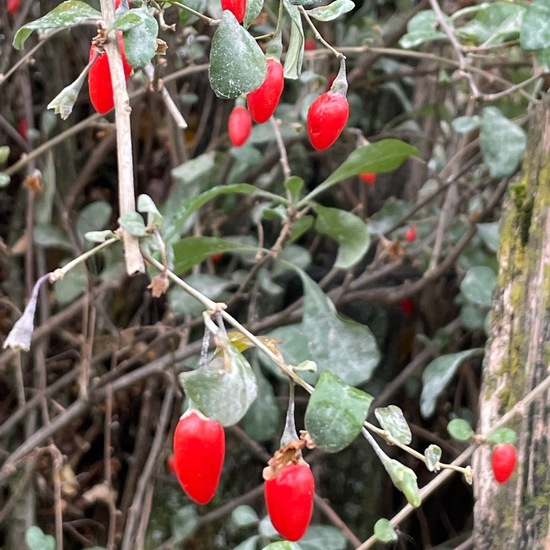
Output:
[[515, 515]]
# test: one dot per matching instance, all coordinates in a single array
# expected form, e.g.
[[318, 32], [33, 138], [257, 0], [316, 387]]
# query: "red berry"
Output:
[[503, 461], [407, 306], [13, 6], [236, 7], [326, 118], [23, 128], [263, 101], [289, 498], [368, 177], [217, 257], [199, 451], [239, 125], [99, 79], [410, 234], [310, 44]]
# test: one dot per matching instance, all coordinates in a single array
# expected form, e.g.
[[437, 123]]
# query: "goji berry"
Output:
[[368, 177], [199, 451], [310, 44], [236, 7], [503, 461], [289, 499], [326, 118], [100, 85], [263, 101], [13, 6], [239, 125], [410, 233]]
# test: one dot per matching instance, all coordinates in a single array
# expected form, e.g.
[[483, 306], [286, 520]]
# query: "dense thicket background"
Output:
[[101, 466]]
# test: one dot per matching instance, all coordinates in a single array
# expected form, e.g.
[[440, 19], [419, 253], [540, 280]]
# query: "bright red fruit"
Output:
[[368, 177], [289, 498], [410, 234], [239, 125], [199, 451], [503, 461], [236, 7], [326, 118], [263, 101], [13, 6], [310, 44], [100, 84]]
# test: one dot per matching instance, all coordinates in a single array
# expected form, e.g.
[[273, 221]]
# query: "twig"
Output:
[[126, 196]]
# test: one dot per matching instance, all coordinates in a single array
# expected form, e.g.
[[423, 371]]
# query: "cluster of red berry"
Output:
[[199, 452]]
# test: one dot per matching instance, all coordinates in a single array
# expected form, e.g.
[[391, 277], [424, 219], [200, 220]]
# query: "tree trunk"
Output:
[[516, 515]]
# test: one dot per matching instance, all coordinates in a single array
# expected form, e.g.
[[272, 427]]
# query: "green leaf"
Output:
[[4, 153], [405, 480], [502, 142], [99, 236], [182, 303], [178, 219], [193, 250], [64, 101], [490, 235], [95, 215], [384, 531], [438, 374], [67, 14], [72, 285], [129, 20], [37, 540], [4, 179], [335, 413], [432, 455], [253, 9], [50, 236], [478, 285], [393, 421], [422, 28], [282, 545], [331, 11], [146, 205], [244, 516], [383, 156], [237, 63], [323, 537], [294, 184], [224, 388], [133, 223], [391, 213], [460, 430], [294, 56], [140, 42], [535, 30], [465, 124], [503, 435], [187, 18], [493, 24], [184, 522], [248, 544], [261, 421], [345, 347], [349, 230]]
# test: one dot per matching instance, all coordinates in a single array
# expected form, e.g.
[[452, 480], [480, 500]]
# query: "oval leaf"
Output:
[[345, 347], [535, 31], [502, 142], [294, 56], [335, 413], [384, 531], [332, 11], [224, 388], [503, 435], [478, 285], [349, 230], [405, 480], [432, 455], [438, 374], [393, 421], [237, 63], [423, 27], [460, 429], [140, 42], [67, 14]]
